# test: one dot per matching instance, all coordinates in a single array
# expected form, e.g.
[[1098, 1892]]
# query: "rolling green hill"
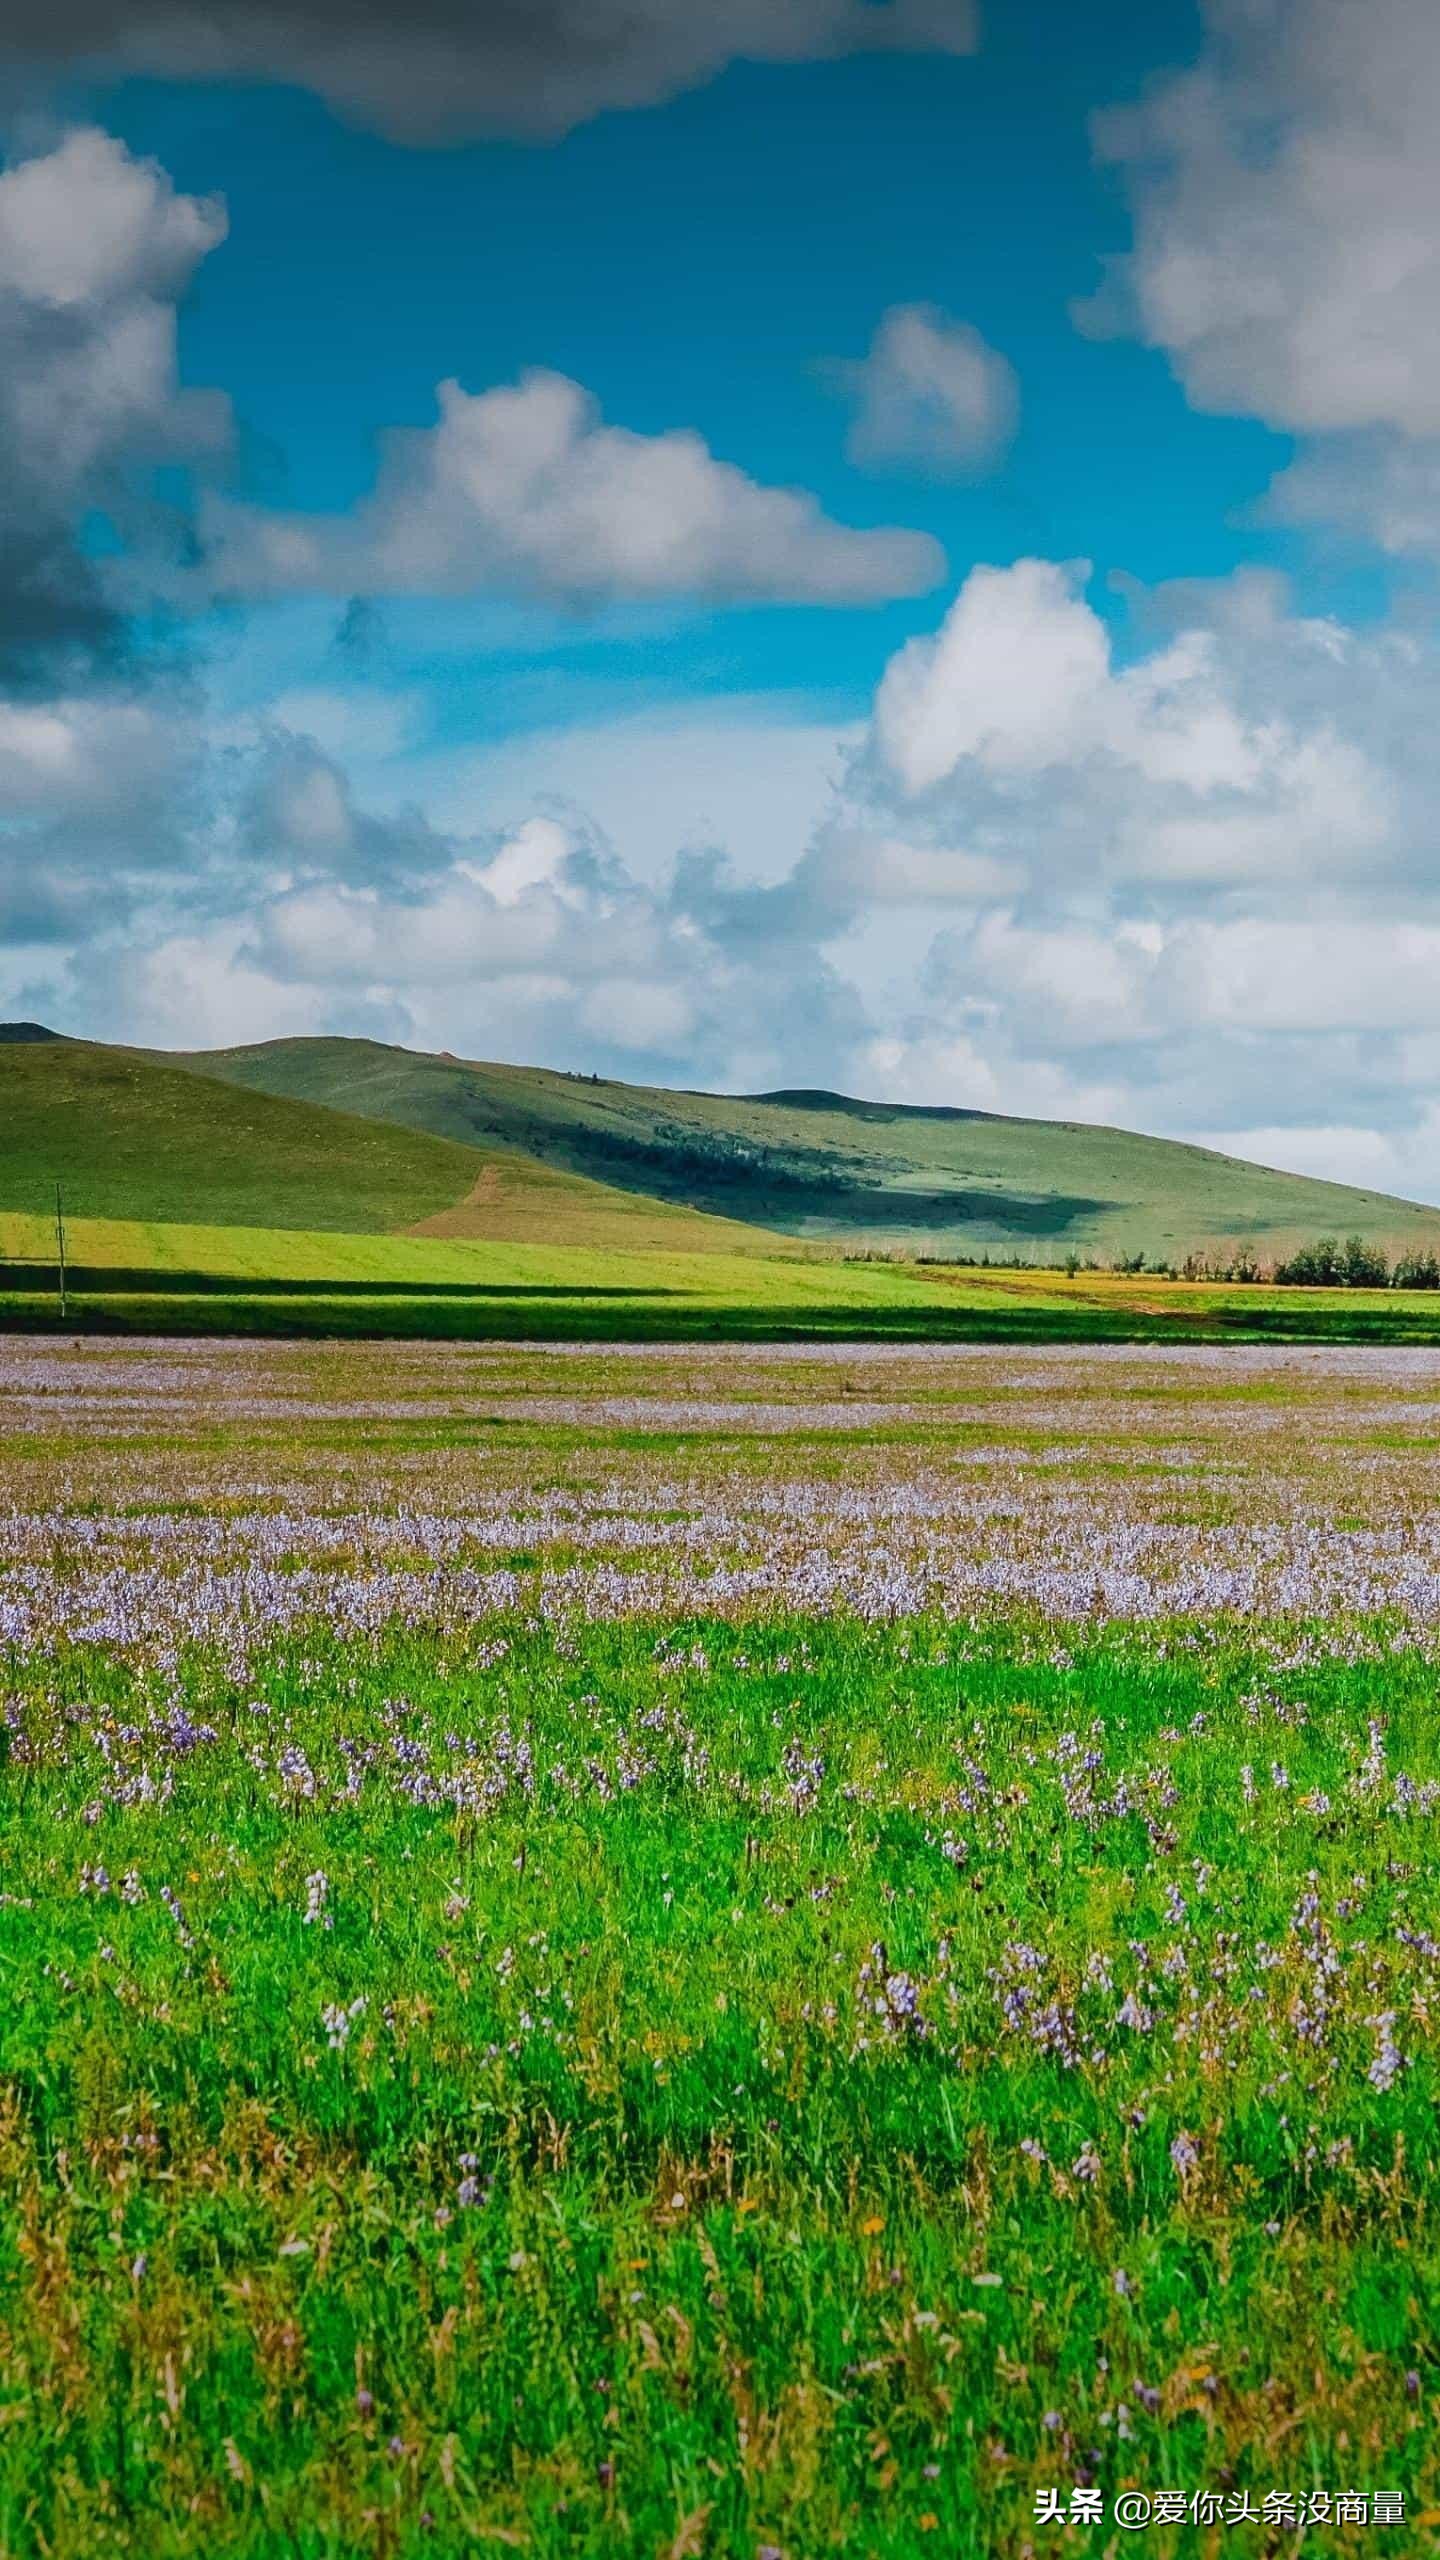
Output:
[[821, 1166], [131, 1137]]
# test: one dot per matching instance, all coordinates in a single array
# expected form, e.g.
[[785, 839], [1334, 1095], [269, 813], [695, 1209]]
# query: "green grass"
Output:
[[663, 2187], [151, 1276], [676, 2071], [117, 1256], [828, 1168], [131, 1138]]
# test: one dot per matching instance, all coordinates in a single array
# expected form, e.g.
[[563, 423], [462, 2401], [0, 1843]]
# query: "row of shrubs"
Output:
[[1329, 1263]]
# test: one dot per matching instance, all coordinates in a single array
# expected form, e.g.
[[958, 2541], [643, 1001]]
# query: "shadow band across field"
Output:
[[323, 1311]]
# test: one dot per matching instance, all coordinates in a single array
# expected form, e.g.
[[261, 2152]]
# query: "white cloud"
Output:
[[1191, 886], [187, 990], [638, 1017], [1380, 487], [1191, 889], [1099, 986], [1193, 765], [537, 856], [96, 248], [85, 225], [1286, 195], [1012, 680], [439, 70], [305, 909], [1343, 974], [97, 792], [1366, 1157], [737, 770], [542, 903], [853, 868], [932, 393], [525, 488], [299, 815], [1287, 205]]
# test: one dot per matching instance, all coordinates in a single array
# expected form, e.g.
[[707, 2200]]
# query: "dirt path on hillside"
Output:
[[467, 1216]]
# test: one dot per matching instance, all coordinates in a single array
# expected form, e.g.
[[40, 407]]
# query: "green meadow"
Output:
[[714, 1955], [156, 1276]]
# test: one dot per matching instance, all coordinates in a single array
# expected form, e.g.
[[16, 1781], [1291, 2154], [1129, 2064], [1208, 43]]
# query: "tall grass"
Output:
[[711, 2089]]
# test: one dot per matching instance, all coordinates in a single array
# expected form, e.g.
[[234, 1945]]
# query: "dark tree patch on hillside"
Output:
[[796, 1189]]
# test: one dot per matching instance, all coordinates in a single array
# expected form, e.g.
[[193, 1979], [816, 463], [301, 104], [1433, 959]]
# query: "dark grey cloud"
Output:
[[440, 70], [57, 624]]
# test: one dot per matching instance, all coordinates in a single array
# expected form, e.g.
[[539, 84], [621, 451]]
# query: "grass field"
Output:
[[714, 1953], [150, 1276], [832, 1169]]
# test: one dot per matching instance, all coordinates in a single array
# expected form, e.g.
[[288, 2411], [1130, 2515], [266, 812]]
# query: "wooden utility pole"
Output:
[[60, 1244]]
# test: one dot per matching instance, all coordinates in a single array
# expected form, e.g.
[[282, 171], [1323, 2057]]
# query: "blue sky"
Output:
[[698, 266], [1058, 743]]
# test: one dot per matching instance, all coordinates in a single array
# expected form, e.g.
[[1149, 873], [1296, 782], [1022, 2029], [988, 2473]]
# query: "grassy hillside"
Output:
[[133, 1138], [818, 1165]]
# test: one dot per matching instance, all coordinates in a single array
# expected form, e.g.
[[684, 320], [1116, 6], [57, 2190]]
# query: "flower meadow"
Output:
[[716, 1952]]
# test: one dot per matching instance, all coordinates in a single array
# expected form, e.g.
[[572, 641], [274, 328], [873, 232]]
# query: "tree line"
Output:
[[1331, 1262]]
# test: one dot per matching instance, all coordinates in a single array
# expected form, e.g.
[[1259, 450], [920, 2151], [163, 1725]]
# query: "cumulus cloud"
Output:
[[439, 70], [526, 488], [81, 759], [1015, 935], [1015, 680], [1176, 871], [850, 868], [1193, 766], [1286, 196], [1287, 206], [931, 393], [96, 249], [546, 930], [1096, 985]]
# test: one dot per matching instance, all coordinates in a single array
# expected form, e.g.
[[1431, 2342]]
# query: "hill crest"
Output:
[[838, 1170]]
